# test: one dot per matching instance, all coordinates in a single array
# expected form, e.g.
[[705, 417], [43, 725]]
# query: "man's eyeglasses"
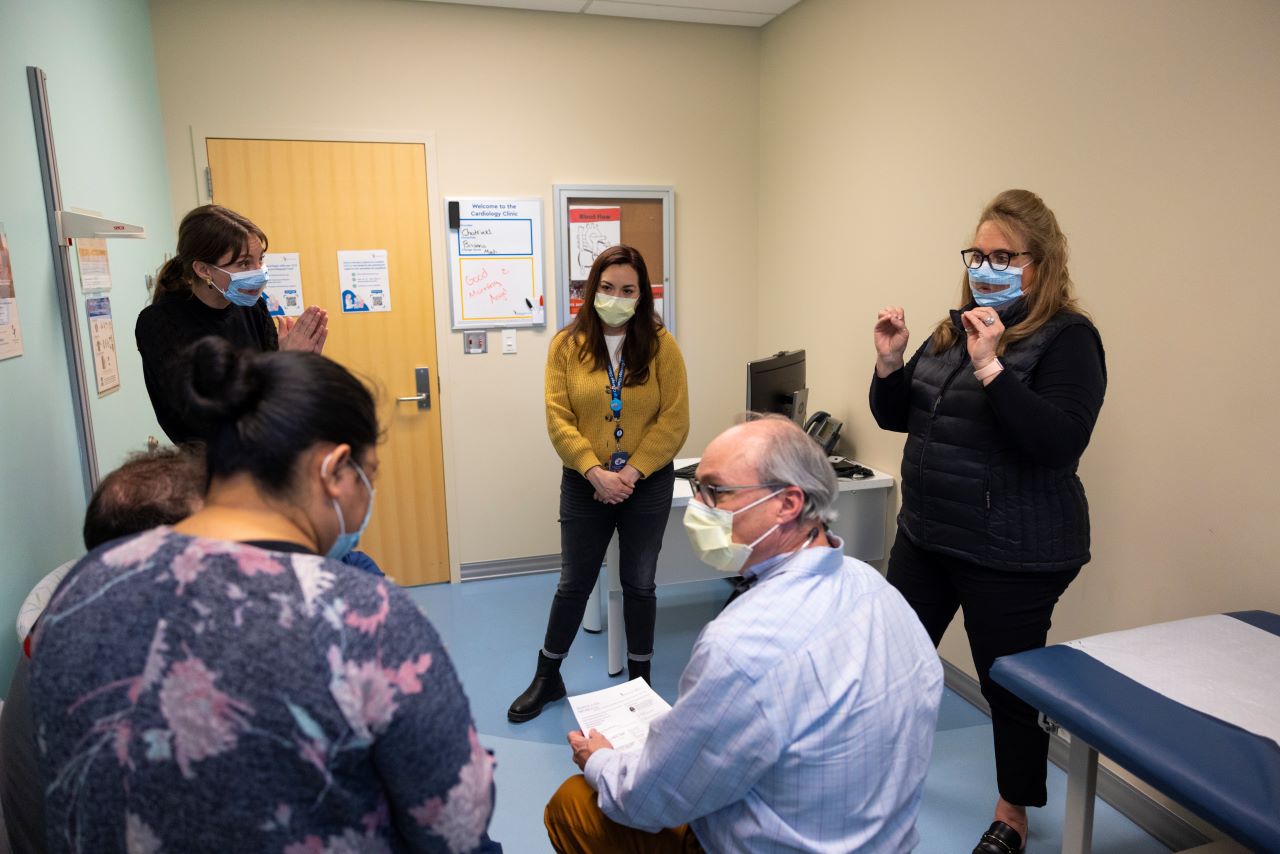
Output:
[[709, 492], [999, 259]]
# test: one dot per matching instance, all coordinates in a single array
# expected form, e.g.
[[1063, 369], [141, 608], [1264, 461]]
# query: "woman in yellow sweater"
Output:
[[617, 412]]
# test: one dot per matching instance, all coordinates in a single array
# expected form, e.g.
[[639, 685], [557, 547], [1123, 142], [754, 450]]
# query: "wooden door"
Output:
[[316, 198]]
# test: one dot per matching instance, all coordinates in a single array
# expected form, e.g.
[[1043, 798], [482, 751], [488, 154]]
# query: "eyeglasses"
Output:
[[999, 259], [709, 492]]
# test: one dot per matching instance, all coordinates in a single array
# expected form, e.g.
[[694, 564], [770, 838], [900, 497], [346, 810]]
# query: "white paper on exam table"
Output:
[[621, 713]]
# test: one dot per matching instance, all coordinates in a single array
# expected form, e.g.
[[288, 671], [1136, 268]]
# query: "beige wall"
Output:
[[517, 101], [1153, 132], [887, 126]]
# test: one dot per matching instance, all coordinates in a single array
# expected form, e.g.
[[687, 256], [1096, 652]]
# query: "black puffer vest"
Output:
[[966, 489]]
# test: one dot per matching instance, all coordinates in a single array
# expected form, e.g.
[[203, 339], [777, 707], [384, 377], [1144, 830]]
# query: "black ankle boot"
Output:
[[546, 687], [639, 670]]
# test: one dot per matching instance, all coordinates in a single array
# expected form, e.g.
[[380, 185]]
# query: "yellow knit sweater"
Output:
[[655, 416]]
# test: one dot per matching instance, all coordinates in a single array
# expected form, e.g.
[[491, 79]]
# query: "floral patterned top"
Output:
[[200, 695]]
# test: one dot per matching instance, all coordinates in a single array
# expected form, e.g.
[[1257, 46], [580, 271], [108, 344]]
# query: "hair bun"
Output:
[[224, 383]]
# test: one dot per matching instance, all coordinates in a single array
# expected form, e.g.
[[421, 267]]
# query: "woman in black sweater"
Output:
[[213, 286], [998, 406]]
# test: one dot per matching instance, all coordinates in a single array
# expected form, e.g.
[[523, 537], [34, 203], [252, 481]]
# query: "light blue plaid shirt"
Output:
[[804, 723]]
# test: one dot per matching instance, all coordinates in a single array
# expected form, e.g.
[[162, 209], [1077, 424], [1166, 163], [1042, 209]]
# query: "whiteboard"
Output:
[[495, 262]]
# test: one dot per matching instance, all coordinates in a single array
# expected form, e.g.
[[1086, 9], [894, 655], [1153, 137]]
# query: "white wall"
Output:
[[518, 101]]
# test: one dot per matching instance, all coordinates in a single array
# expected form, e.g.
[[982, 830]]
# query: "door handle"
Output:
[[422, 381]]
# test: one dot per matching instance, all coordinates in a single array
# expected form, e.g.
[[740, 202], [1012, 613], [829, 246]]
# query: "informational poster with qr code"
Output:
[[105, 364], [284, 292], [363, 280]]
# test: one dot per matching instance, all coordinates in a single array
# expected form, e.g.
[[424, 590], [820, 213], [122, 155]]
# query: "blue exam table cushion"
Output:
[[1227, 775]]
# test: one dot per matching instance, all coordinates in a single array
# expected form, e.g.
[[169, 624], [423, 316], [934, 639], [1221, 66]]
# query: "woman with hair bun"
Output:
[[226, 684], [213, 286]]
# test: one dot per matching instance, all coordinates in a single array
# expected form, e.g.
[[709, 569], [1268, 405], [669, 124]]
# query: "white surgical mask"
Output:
[[710, 531]]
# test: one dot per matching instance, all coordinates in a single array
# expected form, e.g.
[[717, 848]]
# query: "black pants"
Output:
[[1004, 613], [586, 526]]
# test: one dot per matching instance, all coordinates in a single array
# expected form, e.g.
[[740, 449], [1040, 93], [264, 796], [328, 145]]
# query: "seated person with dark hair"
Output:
[[151, 489], [227, 683]]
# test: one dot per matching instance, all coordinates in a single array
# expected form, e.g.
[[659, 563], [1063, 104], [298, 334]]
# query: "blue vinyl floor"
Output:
[[493, 630]]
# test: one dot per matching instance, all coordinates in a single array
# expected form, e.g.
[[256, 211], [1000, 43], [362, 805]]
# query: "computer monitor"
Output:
[[776, 384]]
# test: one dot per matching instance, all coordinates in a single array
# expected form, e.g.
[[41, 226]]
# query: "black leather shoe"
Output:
[[1000, 838]]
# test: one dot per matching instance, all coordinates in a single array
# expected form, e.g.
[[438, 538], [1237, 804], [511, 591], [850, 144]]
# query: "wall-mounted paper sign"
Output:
[[10, 326], [284, 292], [594, 228], [105, 364], [95, 267], [363, 280]]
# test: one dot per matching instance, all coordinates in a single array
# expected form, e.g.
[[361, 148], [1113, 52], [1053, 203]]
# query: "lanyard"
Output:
[[615, 397]]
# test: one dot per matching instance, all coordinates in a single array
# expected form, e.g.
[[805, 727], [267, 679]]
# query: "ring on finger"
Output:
[[989, 319]]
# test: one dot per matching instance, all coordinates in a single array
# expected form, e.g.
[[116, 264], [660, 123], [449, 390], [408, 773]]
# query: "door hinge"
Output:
[[208, 181]]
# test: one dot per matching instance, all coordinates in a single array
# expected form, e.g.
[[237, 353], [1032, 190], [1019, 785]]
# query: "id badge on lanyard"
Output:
[[619, 457]]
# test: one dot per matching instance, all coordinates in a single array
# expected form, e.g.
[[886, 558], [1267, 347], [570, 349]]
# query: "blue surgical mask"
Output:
[[348, 540], [245, 280], [1011, 279]]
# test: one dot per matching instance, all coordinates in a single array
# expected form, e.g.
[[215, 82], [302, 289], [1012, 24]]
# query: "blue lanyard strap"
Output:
[[615, 395], [615, 382]]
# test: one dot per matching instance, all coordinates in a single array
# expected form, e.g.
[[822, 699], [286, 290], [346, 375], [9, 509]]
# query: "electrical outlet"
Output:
[[508, 341]]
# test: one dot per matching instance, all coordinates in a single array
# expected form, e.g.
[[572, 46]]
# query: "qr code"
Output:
[[291, 300], [377, 300]]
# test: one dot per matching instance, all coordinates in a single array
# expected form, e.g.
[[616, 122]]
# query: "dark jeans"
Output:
[[586, 526], [1004, 613]]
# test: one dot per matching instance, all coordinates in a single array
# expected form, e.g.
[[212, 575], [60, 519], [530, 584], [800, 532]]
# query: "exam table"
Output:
[[1191, 707]]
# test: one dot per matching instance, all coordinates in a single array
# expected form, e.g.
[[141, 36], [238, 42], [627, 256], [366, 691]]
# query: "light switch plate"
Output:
[[508, 341], [475, 341]]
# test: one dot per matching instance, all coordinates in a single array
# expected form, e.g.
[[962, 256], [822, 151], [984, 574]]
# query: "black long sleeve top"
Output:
[[1049, 420], [171, 324]]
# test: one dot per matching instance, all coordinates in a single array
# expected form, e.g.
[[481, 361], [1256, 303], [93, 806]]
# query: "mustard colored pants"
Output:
[[576, 825]]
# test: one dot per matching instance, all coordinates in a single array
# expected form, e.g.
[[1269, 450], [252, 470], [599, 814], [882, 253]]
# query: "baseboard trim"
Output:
[[511, 566], [1155, 818]]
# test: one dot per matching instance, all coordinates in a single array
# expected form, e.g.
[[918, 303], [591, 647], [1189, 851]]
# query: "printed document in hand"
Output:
[[621, 713]]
